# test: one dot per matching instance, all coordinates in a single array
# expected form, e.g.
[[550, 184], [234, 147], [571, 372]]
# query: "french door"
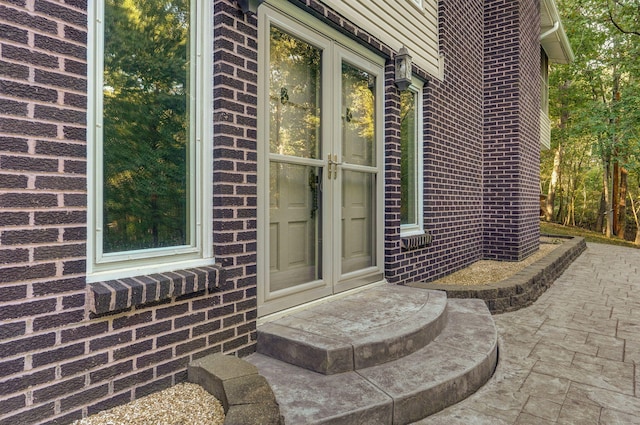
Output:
[[320, 165]]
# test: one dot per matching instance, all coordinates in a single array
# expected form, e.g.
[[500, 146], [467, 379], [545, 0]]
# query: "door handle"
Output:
[[333, 162]]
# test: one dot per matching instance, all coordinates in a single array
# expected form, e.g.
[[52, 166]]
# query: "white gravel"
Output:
[[182, 404], [488, 271]]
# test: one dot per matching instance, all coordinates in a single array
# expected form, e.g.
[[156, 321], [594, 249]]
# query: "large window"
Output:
[[148, 144], [411, 160]]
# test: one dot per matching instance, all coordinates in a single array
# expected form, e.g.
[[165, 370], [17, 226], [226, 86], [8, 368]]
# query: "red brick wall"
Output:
[[59, 361]]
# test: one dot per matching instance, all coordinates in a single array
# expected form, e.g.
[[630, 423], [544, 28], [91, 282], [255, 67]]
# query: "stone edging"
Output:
[[524, 287], [245, 395]]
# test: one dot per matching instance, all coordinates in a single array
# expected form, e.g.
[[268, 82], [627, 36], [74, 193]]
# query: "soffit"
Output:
[[555, 44]]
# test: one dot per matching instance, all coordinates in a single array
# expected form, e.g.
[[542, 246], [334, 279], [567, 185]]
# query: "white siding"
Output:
[[545, 131], [397, 23]]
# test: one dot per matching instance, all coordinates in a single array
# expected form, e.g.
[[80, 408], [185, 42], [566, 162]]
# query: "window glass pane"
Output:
[[294, 93], [408, 192], [358, 116], [146, 124]]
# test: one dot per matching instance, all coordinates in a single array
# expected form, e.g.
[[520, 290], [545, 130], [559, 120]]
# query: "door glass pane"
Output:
[[146, 124], [294, 225], [358, 220], [408, 176], [358, 116], [294, 94]]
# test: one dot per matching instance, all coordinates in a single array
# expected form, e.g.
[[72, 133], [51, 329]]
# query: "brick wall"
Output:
[[511, 140], [452, 156], [529, 222], [59, 361]]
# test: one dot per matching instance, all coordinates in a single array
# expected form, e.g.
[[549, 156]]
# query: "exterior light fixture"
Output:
[[403, 69], [250, 5]]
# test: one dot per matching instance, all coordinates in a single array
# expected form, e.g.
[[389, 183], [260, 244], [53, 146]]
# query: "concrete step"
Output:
[[364, 329], [453, 366]]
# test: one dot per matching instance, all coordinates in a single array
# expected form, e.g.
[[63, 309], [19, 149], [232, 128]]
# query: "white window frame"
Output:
[[105, 266], [417, 228]]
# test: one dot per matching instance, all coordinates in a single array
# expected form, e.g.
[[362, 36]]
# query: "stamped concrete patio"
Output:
[[570, 358]]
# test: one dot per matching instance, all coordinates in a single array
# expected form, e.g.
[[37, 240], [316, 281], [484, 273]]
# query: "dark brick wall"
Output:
[[59, 361], [452, 156], [529, 223], [512, 122]]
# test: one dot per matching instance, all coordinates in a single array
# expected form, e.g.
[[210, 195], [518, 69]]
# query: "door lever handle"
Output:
[[333, 162]]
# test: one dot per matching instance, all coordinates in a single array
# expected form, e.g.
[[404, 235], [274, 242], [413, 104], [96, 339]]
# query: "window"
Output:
[[148, 146], [411, 160], [544, 81]]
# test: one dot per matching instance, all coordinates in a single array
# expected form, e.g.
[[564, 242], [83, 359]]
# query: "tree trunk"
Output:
[[622, 204], [635, 212], [555, 178], [615, 196], [601, 212], [608, 216]]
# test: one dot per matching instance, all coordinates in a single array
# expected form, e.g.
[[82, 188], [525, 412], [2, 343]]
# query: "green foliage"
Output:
[[589, 236], [146, 124], [594, 107]]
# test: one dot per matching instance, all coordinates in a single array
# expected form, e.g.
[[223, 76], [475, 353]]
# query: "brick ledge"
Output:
[[523, 288], [120, 294]]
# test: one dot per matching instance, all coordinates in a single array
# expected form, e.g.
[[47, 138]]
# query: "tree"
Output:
[[625, 15], [594, 111]]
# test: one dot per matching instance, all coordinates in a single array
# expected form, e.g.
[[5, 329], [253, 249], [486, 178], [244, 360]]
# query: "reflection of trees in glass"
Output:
[[294, 92], [146, 123], [358, 103], [407, 159]]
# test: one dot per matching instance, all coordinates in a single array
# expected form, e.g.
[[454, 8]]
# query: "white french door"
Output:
[[320, 165]]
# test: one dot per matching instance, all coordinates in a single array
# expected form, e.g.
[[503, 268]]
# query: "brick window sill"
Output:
[[120, 294], [410, 243]]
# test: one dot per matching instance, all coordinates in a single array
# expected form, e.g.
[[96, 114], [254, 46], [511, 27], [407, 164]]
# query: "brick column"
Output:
[[511, 129]]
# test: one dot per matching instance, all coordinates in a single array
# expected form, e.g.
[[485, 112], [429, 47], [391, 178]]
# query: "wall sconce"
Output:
[[403, 69], [250, 5]]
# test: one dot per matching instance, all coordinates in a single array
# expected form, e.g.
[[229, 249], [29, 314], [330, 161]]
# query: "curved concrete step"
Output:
[[364, 329], [453, 366]]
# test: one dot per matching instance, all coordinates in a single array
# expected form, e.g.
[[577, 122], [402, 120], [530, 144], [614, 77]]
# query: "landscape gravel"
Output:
[[182, 404], [488, 271]]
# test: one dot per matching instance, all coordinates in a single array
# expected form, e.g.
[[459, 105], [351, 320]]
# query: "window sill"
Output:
[[409, 243], [120, 294]]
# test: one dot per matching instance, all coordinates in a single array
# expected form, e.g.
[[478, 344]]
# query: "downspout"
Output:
[[553, 29]]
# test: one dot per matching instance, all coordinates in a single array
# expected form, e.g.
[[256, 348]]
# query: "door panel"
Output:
[[294, 218], [360, 91], [358, 240], [320, 167], [295, 146]]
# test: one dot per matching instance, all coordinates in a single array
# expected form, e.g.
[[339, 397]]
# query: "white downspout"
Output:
[[553, 29]]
